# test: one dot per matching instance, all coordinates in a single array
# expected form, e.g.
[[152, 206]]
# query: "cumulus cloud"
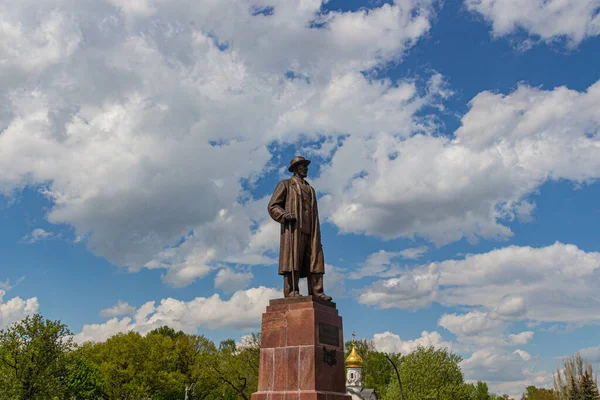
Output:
[[520, 338], [101, 332], [474, 326], [591, 354], [413, 289], [413, 253], [122, 308], [483, 360], [501, 287], [230, 281], [504, 371], [245, 342], [139, 120], [467, 186], [511, 283], [377, 264], [15, 309], [143, 120], [391, 343], [52, 34], [574, 20], [520, 283], [37, 235], [477, 329], [241, 311], [380, 263]]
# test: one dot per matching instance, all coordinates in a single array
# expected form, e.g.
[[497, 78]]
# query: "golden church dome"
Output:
[[353, 360]]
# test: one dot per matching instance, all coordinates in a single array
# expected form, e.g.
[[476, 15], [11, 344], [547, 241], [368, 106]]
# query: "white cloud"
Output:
[[230, 281], [101, 332], [7, 286], [119, 124], [140, 8], [516, 282], [15, 309], [122, 308], [241, 311], [504, 286], [377, 264], [413, 253], [504, 372], [380, 263], [33, 41], [591, 354], [391, 343], [468, 186], [477, 329], [245, 342], [412, 290], [140, 125], [520, 338], [36, 235], [512, 283], [474, 327], [503, 365], [574, 20]]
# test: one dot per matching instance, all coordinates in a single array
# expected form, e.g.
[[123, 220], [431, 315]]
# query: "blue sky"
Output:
[[455, 153]]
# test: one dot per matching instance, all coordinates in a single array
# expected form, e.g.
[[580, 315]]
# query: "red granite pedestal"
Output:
[[301, 351]]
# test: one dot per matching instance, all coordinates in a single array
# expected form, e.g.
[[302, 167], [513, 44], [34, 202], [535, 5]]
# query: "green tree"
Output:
[[161, 365], [167, 331], [235, 367], [574, 392], [575, 381], [481, 391], [82, 379], [430, 374], [33, 363], [534, 393], [193, 355], [589, 388], [122, 359]]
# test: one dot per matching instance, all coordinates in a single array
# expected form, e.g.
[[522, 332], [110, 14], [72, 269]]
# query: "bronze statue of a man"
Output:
[[294, 206]]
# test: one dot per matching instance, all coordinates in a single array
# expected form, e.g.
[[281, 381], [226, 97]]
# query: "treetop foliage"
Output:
[[38, 360]]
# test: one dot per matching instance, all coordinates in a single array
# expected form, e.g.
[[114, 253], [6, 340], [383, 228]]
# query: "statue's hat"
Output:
[[297, 160]]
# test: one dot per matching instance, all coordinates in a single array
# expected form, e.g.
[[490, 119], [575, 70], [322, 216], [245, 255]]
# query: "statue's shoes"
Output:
[[323, 296], [295, 294]]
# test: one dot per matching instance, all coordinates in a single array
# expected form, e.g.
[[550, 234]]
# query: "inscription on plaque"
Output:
[[329, 334]]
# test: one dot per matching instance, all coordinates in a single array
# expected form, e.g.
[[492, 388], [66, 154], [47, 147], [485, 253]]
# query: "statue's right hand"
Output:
[[289, 217]]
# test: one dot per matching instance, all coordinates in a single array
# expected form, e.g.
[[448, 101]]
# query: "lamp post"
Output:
[[188, 388], [397, 374]]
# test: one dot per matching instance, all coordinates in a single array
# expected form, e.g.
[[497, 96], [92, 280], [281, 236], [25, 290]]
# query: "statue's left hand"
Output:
[[289, 217]]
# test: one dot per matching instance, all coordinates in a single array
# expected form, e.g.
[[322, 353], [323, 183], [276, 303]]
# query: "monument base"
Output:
[[301, 351], [299, 395]]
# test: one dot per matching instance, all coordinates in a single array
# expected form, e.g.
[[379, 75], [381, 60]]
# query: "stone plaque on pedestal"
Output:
[[301, 351]]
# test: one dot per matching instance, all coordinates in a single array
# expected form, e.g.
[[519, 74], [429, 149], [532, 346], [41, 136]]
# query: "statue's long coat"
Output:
[[287, 197]]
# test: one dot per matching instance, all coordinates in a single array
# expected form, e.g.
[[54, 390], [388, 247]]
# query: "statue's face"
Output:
[[302, 170]]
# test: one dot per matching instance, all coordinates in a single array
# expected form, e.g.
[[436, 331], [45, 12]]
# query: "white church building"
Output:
[[354, 384]]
